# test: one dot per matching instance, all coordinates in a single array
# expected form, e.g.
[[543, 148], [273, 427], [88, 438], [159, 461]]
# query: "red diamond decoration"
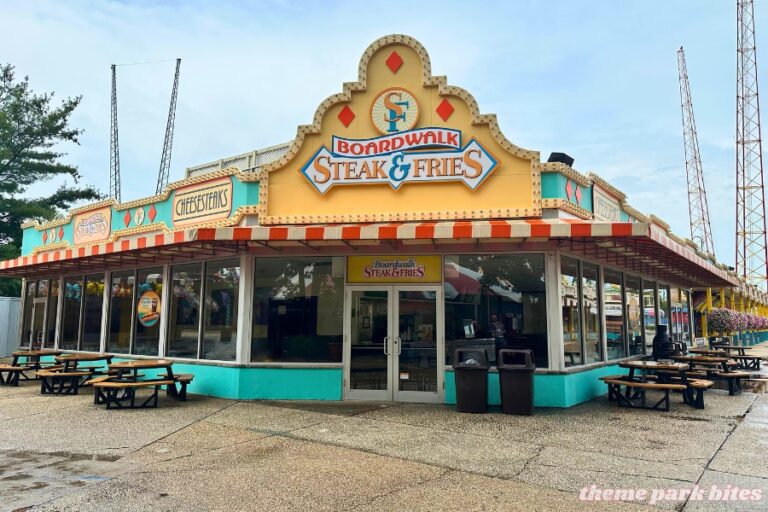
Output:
[[45, 236], [346, 116], [578, 194], [568, 189], [127, 217], [61, 233], [152, 213], [394, 61], [444, 109]]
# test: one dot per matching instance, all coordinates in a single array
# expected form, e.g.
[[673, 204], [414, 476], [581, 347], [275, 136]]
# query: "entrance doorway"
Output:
[[37, 323], [394, 343]]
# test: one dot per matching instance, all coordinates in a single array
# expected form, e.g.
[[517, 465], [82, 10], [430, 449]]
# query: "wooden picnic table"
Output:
[[700, 360], [733, 348], [129, 370], [718, 367], [744, 361], [649, 366], [32, 357], [71, 361]]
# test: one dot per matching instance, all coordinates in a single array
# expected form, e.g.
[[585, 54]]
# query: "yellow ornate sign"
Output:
[[394, 269], [93, 226], [399, 144], [202, 202]]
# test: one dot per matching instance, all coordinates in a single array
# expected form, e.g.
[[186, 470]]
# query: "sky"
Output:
[[595, 79]]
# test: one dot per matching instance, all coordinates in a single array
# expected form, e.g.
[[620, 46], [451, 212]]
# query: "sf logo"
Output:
[[394, 110], [397, 108]]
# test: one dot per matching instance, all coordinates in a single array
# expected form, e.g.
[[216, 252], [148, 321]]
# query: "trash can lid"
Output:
[[515, 359], [475, 354]]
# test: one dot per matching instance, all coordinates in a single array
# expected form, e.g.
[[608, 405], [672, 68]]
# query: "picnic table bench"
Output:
[[122, 394], [13, 374], [54, 382], [637, 389]]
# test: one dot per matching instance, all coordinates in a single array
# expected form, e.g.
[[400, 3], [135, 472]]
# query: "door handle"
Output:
[[386, 345], [398, 343]]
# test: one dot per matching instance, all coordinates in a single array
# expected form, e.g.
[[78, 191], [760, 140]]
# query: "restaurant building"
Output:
[[352, 262]]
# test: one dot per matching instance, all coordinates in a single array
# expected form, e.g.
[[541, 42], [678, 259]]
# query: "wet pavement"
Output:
[[63, 453]]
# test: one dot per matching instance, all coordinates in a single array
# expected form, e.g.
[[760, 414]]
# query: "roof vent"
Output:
[[562, 158]]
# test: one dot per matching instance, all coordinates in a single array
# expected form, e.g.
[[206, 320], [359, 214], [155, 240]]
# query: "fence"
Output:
[[10, 308]]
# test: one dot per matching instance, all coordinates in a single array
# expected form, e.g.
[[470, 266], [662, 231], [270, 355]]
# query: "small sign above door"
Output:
[[394, 269]]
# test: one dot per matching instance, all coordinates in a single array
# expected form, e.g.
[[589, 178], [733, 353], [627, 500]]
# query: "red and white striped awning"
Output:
[[651, 244]]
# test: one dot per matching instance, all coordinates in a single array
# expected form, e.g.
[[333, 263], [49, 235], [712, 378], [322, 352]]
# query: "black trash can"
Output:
[[470, 369], [516, 369]]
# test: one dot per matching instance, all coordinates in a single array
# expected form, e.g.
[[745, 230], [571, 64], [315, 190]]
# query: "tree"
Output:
[[31, 128]]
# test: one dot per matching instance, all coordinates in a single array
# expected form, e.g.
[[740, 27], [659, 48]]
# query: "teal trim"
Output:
[[586, 198], [247, 383], [549, 389], [553, 187]]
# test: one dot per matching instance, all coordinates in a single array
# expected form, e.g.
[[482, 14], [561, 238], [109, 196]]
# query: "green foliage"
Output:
[[31, 128]]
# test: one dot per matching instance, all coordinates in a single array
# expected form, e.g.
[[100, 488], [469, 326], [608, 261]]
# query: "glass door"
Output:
[[416, 347], [370, 344], [393, 343]]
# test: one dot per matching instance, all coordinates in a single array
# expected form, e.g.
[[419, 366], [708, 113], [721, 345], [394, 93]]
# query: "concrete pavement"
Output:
[[64, 453]]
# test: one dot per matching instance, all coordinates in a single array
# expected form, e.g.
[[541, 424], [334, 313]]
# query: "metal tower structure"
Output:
[[165, 160], [751, 247], [698, 208], [114, 146]]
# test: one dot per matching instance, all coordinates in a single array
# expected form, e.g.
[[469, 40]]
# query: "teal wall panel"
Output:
[[291, 383], [553, 187], [244, 383]]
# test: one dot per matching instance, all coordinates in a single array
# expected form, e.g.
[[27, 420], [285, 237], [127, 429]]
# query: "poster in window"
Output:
[[148, 309]]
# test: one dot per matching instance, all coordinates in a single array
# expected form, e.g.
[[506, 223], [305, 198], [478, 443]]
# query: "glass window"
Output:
[[614, 314], [664, 311], [678, 320], [496, 301], [591, 310], [222, 282], [53, 308], [70, 318], [297, 309], [148, 304], [92, 309], [120, 312], [184, 322], [42, 288], [685, 317], [634, 313], [571, 310], [649, 312]]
